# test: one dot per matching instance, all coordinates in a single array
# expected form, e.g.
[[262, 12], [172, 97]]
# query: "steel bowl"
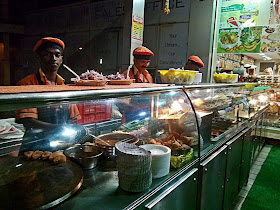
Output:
[[107, 142], [87, 156]]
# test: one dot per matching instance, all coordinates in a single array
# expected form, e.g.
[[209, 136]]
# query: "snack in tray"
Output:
[[28, 154], [46, 155], [118, 79], [55, 157], [116, 76], [92, 75], [37, 154], [174, 141]]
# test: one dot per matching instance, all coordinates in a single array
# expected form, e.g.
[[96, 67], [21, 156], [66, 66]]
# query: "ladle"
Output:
[[100, 139]]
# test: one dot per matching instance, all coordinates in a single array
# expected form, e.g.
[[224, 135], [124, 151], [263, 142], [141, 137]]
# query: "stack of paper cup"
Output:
[[160, 159]]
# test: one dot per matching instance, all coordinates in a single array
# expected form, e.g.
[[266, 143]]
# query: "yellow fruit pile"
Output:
[[251, 47]]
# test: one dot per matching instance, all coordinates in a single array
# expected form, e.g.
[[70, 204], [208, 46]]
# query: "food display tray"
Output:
[[29, 184]]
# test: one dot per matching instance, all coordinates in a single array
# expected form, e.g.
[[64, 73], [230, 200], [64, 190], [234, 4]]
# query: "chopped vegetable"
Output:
[[181, 160]]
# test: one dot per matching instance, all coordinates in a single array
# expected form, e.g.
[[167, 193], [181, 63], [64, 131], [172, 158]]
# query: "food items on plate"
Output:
[[92, 75], [274, 108], [118, 79], [28, 154], [229, 38], [55, 157], [37, 154], [116, 76], [174, 141], [46, 155]]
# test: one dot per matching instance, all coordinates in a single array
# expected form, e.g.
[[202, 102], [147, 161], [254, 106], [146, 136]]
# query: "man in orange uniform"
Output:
[[142, 59], [194, 63], [49, 52]]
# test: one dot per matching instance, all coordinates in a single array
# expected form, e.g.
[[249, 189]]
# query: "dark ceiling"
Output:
[[18, 8]]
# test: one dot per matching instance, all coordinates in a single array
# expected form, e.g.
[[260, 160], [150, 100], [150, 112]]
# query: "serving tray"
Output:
[[120, 82], [91, 82], [28, 184]]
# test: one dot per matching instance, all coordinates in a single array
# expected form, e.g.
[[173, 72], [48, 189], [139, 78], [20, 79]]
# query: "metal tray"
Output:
[[39, 184]]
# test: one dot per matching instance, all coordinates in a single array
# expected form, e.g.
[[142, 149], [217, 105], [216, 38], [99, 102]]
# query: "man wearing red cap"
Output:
[[194, 63], [142, 59], [49, 52]]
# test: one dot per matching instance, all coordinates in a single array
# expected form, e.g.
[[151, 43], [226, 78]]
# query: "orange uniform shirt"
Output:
[[134, 74], [32, 112]]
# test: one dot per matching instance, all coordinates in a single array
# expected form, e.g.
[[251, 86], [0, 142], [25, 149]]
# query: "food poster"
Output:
[[270, 39], [234, 13], [137, 28], [240, 40]]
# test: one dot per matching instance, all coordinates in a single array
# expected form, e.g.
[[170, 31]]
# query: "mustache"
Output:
[[144, 66]]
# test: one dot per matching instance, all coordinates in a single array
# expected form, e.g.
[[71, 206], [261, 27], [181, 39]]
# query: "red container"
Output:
[[94, 112]]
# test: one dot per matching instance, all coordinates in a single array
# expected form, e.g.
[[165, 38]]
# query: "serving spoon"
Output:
[[77, 76], [100, 139]]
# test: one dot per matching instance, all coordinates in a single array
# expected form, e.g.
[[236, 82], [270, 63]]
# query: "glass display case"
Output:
[[89, 140], [221, 111]]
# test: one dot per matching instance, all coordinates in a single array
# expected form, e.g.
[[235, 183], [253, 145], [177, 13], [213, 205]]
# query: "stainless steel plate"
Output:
[[36, 183]]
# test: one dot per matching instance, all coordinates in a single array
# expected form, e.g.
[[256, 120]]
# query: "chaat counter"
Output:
[[190, 121]]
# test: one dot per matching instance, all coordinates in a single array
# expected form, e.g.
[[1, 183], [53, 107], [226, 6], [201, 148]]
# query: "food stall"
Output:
[[206, 131]]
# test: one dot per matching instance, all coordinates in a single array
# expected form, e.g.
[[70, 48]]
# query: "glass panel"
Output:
[[218, 111], [161, 118]]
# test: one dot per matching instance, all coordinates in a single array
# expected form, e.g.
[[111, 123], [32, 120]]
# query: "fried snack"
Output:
[[37, 154], [51, 157], [28, 154], [174, 141], [46, 155], [187, 140], [59, 158]]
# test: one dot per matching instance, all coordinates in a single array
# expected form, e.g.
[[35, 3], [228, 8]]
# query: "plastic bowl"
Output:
[[87, 156], [178, 76], [225, 78]]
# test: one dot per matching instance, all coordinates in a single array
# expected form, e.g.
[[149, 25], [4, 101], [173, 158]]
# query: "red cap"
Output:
[[45, 40], [197, 60], [142, 51]]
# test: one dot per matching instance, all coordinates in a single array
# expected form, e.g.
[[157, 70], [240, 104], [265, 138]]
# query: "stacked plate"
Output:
[[160, 159], [134, 167]]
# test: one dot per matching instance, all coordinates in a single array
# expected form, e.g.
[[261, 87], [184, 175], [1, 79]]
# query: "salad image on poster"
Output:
[[239, 40], [271, 39]]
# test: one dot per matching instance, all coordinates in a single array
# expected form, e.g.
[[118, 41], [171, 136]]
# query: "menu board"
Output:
[[137, 28], [234, 13], [270, 39], [240, 40]]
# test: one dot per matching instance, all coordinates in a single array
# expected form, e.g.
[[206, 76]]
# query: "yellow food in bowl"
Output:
[[177, 76], [224, 78]]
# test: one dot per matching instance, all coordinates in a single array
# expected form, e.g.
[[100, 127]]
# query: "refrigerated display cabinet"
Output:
[[193, 121]]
